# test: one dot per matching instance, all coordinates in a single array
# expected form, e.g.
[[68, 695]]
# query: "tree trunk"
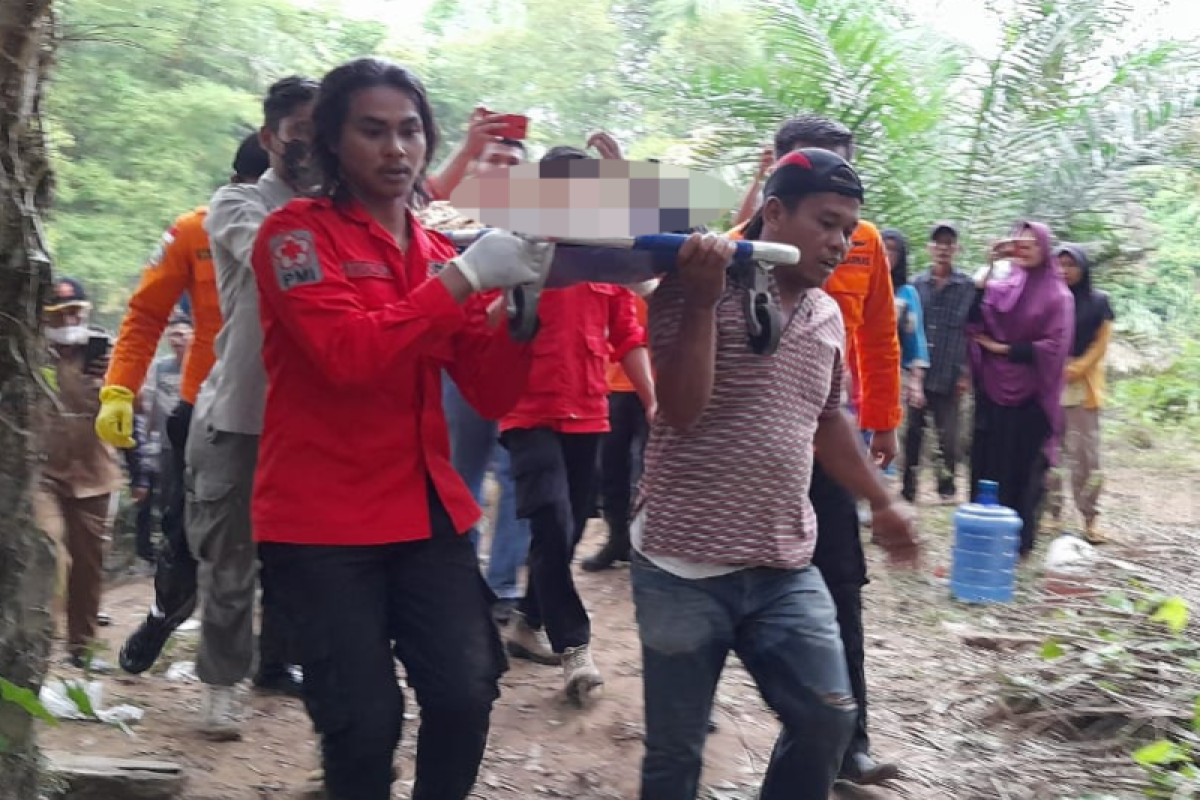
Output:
[[27, 38]]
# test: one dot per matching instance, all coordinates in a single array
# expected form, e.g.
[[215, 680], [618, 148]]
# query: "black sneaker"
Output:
[[89, 663], [145, 645]]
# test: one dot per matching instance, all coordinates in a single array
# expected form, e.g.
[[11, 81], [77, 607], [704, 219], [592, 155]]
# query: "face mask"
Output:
[[75, 335], [298, 169]]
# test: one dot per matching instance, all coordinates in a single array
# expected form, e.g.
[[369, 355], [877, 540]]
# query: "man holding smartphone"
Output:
[[78, 472]]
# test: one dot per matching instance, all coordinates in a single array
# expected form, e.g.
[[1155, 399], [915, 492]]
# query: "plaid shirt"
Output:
[[945, 322]]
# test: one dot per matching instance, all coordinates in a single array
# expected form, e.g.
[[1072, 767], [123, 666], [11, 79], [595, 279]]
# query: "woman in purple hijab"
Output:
[[1020, 329]]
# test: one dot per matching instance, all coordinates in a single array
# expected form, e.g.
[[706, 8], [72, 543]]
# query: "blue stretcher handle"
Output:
[[660, 243]]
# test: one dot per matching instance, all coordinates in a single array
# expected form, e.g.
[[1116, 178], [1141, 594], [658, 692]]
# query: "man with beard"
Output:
[[222, 447]]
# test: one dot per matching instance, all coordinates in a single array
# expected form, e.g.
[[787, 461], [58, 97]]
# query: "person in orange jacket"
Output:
[[553, 436], [182, 264], [862, 287]]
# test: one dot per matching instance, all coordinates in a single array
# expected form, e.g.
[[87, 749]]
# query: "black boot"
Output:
[[616, 549], [862, 770]]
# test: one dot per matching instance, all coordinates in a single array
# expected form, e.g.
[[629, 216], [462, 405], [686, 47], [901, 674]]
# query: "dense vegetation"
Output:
[[1064, 121]]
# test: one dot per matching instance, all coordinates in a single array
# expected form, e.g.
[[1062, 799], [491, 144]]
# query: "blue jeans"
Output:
[[474, 447], [783, 626]]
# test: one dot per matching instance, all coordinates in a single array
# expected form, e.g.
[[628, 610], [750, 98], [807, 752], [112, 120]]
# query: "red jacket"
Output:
[[355, 337], [582, 326]]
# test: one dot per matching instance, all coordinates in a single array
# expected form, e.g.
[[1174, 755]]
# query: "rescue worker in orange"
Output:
[[181, 265], [862, 287], [362, 520]]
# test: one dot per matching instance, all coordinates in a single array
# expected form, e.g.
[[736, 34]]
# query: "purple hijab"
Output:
[[1035, 307]]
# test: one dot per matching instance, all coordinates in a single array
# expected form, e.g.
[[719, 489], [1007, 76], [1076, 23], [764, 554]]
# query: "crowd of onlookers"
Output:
[[323, 423]]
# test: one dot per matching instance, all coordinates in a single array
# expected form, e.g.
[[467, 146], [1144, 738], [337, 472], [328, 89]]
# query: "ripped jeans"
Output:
[[783, 626]]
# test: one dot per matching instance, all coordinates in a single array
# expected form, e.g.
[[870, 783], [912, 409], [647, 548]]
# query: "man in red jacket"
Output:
[[553, 435]]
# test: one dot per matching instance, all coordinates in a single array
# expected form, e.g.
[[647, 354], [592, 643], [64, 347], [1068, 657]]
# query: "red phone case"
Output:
[[516, 126]]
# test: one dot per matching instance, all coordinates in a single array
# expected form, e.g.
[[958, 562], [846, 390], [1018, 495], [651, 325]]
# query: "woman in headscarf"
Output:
[[910, 320], [1084, 392], [1021, 329]]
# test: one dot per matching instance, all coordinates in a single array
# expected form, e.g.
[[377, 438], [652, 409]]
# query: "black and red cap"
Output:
[[811, 170]]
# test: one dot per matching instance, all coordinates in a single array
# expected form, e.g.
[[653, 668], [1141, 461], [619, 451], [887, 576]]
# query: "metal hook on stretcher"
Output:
[[750, 265]]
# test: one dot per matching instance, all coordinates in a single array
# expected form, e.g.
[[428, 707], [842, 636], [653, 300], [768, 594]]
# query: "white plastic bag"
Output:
[[56, 697]]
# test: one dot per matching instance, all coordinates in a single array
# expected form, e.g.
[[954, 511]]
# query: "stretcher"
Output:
[[636, 260]]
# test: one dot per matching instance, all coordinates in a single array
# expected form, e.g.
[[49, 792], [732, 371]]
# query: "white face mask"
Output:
[[73, 335]]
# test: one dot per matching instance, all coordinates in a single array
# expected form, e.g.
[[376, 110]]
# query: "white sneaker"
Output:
[[221, 711], [583, 680]]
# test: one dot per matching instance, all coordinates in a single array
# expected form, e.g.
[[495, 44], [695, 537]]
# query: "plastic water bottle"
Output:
[[986, 540]]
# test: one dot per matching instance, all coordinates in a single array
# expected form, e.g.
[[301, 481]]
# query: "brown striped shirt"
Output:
[[733, 489]]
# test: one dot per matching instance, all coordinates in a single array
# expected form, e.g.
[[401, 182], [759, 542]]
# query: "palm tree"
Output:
[[1049, 126]]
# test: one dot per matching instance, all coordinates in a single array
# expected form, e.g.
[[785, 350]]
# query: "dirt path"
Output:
[[930, 695]]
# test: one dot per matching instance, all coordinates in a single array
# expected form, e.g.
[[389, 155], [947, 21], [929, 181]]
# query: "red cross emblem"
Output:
[[292, 252]]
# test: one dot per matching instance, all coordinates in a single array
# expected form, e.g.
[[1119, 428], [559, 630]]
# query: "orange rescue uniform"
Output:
[[618, 381], [182, 263], [862, 287]]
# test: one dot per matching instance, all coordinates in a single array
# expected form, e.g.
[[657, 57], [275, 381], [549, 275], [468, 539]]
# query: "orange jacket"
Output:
[[182, 263], [618, 381], [862, 287]]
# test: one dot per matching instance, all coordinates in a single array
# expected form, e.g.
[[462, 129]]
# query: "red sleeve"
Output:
[[625, 331], [489, 368], [301, 284]]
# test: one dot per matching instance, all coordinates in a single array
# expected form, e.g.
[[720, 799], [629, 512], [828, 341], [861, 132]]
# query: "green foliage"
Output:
[[1173, 612], [1062, 122], [1169, 397], [1052, 649], [148, 105], [25, 699]]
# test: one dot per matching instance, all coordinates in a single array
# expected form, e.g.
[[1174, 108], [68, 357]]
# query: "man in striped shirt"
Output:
[[724, 530]]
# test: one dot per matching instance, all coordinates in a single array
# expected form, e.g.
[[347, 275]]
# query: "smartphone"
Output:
[[98, 346], [516, 126]]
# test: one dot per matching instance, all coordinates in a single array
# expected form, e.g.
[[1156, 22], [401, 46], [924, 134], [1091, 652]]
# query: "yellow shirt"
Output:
[[1085, 374]]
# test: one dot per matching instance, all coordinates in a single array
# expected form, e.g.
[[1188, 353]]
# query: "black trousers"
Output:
[[175, 581], [621, 458], [554, 474], [1007, 448], [360, 608], [945, 411], [144, 522], [175, 572], [839, 555]]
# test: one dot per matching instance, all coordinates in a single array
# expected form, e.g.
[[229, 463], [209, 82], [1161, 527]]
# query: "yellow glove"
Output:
[[114, 423]]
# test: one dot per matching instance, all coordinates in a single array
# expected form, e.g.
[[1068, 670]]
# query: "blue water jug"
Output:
[[986, 540]]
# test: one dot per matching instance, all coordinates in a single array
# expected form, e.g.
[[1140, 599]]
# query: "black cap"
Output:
[[67, 292], [812, 170], [943, 227]]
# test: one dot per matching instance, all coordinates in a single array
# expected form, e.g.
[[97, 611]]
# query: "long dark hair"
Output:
[[333, 105], [900, 268]]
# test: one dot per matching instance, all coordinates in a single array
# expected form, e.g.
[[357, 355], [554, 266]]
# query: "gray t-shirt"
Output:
[[234, 395]]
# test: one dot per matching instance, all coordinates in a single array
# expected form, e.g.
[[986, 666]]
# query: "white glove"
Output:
[[502, 260]]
